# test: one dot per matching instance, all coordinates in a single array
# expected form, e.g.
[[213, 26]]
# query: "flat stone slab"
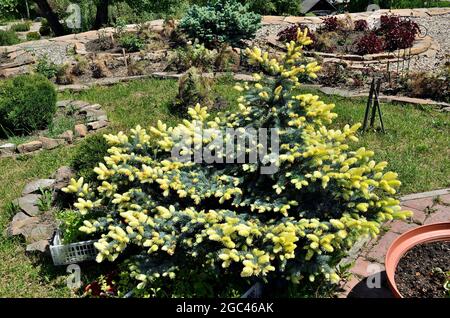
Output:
[[7, 149], [28, 204], [29, 146], [378, 252], [39, 246], [36, 185], [22, 224]]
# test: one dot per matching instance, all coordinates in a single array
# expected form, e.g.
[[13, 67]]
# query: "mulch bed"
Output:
[[421, 272]]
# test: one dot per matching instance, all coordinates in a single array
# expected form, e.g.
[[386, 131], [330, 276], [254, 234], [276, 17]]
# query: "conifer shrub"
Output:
[[162, 213], [27, 103], [221, 21], [193, 89]]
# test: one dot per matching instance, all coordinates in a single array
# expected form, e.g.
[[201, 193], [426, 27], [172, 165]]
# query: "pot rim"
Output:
[[423, 234]]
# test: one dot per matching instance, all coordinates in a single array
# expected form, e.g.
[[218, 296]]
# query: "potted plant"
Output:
[[418, 262]]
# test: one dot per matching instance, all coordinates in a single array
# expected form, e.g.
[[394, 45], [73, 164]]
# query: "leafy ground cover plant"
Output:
[[296, 224], [131, 42], [46, 67], [398, 33], [221, 21], [370, 44]]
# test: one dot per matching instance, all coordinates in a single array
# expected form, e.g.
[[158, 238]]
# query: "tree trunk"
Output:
[[51, 17], [101, 17]]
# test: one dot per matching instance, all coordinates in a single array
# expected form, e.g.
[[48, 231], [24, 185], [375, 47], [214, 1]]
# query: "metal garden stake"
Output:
[[373, 105]]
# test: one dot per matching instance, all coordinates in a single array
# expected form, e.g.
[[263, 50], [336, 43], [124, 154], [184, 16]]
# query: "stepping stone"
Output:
[[81, 130], [39, 246], [40, 232], [36, 185], [62, 177], [49, 143], [28, 204], [63, 103], [97, 124], [78, 104], [67, 136], [21, 223], [7, 149], [29, 147]]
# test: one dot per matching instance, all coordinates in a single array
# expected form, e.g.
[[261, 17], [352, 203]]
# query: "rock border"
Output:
[[38, 228], [95, 117]]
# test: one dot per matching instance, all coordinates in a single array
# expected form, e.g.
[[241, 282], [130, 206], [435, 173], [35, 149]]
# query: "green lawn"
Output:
[[416, 145]]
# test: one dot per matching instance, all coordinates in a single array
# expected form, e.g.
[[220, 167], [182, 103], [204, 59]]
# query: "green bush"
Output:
[[196, 55], [222, 21], [33, 36], [21, 27], [163, 213], [69, 222], [27, 103], [8, 38], [45, 29], [275, 7], [193, 89], [46, 68], [131, 42], [92, 151]]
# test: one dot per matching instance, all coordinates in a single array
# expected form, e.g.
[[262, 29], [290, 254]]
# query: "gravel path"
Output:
[[438, 28]]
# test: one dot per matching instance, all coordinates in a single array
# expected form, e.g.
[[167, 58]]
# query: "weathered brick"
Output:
[[419, 204], [418, 215], [401, 227], [364, 268], [438, 217], [378, 252]]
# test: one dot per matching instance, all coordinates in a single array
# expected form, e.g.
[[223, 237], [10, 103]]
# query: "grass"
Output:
[[416, 146], [59, 125]]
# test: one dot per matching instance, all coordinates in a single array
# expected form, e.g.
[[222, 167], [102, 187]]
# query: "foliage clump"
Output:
[[8, 38], [33, 36], [297, 223], [27, 103], [21, 26], [222, 21], [193, 89]]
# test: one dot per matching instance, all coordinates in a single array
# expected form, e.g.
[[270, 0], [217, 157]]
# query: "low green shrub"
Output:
[[193, 55], [45, 29], [162, 213], [193, 89], [33, 36], [46, 67], [8, 38], [131, 42], [27, 103], [69, 223], [92, 151], [221, 21], [21, 27]]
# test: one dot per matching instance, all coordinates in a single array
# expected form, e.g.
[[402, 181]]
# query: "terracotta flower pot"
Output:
[[423, 234]]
